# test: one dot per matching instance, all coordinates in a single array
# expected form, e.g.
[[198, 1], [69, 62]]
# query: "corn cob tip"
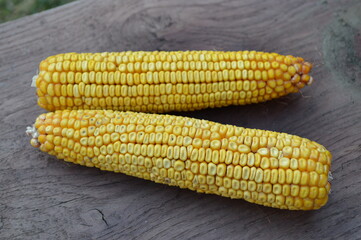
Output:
[[301, 77]]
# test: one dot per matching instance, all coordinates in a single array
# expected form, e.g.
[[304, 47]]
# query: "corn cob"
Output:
[[269, 168], [166, 81]]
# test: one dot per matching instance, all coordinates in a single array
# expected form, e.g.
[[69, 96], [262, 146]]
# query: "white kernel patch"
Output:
[[330, 178], [33, 81], [31, 131]]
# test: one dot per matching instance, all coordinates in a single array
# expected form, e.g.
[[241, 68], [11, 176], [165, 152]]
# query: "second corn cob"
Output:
[[167, 81], [269, 168]]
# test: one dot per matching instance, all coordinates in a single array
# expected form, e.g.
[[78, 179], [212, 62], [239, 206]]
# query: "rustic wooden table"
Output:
[[43, 198]]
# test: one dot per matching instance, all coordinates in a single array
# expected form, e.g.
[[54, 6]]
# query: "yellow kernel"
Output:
[[215, 156], [281, 175], [263, 151], [274, 176], [322, 193], [266, 175], [293, 164], [267, 188], [274, 162], [259, 176], [251, 186], [295, 189], [212, 169], [286, 189], [280, 200], [277, 189], [237, 172], [313, 192], [284, 162], [311, 165], [323, 180], [246, 172], [48, 146], [203, 168], [215, 144], [265, 163], [304, 178], [302, 164], [221, 169], [314, 178], [179, 165], [304, 191], [244, 148]]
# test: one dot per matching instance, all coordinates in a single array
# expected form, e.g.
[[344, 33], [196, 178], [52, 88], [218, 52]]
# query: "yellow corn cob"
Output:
[[166, 81], [269, 168]]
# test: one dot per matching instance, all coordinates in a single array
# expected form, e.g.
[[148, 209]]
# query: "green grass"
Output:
[[13, 9]]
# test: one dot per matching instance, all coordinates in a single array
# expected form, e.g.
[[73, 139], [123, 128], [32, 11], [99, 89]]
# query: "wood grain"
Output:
[[43, 198]]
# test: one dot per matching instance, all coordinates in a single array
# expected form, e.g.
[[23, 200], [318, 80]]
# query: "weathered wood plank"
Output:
[[43, 198]]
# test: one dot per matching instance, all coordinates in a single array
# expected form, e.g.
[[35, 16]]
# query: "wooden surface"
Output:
[[44, 198]]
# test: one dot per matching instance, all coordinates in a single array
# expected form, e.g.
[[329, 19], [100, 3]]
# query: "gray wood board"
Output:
[[44, 198]]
